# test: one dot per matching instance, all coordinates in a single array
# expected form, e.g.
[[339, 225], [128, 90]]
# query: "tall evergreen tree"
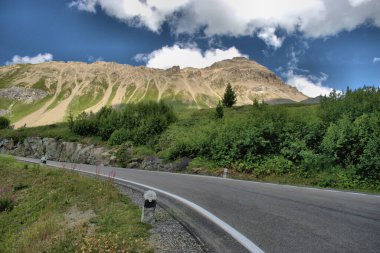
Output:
[[229, 98]]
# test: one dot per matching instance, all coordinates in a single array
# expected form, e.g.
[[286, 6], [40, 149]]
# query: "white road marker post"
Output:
[[149, 207], [43, 160], [225, 173]]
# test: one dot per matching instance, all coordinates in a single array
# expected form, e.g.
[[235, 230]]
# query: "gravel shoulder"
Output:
[[168, 235]]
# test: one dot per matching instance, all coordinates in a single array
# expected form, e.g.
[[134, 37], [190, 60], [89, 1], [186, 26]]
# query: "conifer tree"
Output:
[[219, 111], [229, 98]]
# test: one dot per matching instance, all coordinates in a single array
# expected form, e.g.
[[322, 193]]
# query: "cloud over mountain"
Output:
[[186, 56], [30, 59], [241, 17]]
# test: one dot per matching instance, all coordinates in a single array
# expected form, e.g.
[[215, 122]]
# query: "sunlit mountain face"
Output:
[[313, 45]]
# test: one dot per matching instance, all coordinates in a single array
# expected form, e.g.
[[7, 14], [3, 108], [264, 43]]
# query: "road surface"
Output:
[[277, 218]]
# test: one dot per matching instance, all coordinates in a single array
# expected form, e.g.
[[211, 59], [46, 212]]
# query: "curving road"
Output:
[[277, 218]]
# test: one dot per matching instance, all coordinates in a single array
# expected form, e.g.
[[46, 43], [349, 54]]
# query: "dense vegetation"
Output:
[[140, 123], [333, 144], [48, 210], [341, 138]]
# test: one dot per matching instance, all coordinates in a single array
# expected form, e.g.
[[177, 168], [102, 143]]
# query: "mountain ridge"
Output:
[[80, 86]]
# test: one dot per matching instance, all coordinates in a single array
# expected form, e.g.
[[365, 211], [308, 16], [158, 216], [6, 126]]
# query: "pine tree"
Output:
[[229, 98], [219, 111]]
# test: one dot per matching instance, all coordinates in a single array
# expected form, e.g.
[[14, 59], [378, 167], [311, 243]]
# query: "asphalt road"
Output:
[[277, 218]]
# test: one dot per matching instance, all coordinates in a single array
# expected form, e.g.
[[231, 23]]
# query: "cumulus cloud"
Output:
[[376, 59], [148, 13], [186, 56], [269, 36], [311, 86], [30, 59], [242, 17]]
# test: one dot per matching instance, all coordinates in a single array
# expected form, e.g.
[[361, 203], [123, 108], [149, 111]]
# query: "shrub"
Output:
[[4, 123], [119, 136], [6, 204], [141, 122], [276, 165], [219, 111], [124, 153]]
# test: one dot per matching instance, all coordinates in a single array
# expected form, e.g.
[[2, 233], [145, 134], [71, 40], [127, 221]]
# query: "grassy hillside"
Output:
[[50, 210], [75, 86]]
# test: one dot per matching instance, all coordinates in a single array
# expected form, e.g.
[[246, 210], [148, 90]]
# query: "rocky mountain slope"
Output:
[[48, 91]]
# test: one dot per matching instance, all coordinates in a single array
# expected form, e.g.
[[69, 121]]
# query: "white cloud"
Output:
[[149, 13], [186, 56], [376, 59], [311, 86], [30, 59], [356, 3], [269, 36], [94, 59], [313, 18]]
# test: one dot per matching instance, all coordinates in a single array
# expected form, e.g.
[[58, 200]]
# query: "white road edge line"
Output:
[[248, 244]]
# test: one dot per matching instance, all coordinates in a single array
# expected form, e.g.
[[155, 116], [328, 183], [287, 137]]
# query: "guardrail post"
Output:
[[148, 214]]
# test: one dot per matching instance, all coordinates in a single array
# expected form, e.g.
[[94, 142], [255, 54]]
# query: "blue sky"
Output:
[[314, 45]]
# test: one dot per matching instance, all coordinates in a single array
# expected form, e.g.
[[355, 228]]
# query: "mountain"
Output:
[[44, 93]]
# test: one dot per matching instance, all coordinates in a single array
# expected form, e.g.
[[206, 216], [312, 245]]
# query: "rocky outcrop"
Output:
[[23, 94], [57, 150], [157, 164], [63, 151], [4, 112]]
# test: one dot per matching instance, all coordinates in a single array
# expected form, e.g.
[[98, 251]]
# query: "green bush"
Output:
[[120, 136], [6, 204], [124, 153], [141, 122], [4, 123]]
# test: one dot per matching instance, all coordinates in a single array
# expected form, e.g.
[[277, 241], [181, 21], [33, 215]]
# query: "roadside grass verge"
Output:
[[51, 210], [331, 179]]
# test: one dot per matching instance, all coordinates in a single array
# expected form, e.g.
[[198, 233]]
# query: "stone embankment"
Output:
[[76, 152], [58, 150]]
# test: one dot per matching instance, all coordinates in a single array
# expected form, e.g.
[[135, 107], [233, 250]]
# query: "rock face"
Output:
[[78, 86], [4, 112], [36, 147], [62, 151], [23, 94]]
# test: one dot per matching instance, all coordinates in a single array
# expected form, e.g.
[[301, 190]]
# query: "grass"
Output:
[[20, 109], [113, 94], [57, 131], [7, 79], [332, 179], [152, 92], [40, 84], [128, 92], [90, 98], [5, 102], [62, 211], [64, 93]]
